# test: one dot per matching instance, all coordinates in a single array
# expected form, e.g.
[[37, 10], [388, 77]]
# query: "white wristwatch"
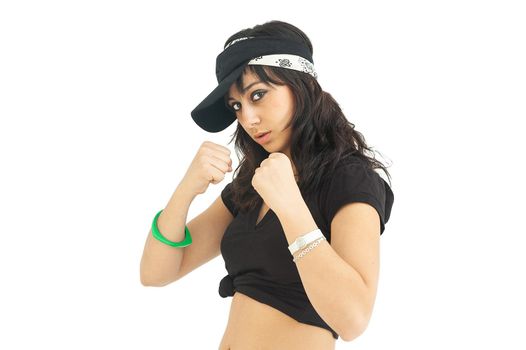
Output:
[[303, 240]]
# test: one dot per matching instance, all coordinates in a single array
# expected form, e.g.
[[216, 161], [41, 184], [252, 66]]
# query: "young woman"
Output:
[[299, 225]]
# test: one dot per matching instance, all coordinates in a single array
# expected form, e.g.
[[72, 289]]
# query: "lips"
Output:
[[261, 134], [264, 138]]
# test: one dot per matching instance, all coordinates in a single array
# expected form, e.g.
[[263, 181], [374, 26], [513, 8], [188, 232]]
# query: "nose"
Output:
[[249, 115]]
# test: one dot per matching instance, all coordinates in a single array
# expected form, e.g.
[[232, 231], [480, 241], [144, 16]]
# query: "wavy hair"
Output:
[[321, 134]]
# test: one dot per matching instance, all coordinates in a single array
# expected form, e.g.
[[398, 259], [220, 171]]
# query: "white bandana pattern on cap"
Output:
[[286, 61]]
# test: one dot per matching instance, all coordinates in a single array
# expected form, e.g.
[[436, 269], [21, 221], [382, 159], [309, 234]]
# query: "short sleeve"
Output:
[[354, 182], [226, 196]]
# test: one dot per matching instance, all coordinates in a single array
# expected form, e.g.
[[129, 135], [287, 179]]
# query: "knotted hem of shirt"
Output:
[[226, 287]]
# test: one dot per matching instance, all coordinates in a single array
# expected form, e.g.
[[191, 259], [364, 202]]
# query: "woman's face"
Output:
[[262, 108]]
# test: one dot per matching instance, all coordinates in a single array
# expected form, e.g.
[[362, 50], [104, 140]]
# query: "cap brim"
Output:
[[211, 114]]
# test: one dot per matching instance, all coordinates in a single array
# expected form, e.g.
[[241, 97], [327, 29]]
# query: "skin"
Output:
[[264, 107]]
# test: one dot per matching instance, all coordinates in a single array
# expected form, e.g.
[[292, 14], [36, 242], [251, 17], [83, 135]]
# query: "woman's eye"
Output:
[[258, 92], [254, 94]]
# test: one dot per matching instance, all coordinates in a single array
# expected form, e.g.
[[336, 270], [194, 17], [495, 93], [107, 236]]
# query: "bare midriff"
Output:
[[255, 325]]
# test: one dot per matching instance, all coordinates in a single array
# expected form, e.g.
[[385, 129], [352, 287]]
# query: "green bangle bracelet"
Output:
[[157, 234]]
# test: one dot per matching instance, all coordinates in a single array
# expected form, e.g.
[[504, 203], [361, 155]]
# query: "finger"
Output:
[[226, 159], [217, 175], [218, 163], [219, 148], [223, 157]]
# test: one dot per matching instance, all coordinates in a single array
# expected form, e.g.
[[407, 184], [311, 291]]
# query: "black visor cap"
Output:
[[212, 114]]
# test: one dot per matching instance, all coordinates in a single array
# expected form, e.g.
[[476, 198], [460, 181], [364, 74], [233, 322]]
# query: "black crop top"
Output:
[[257, 257]]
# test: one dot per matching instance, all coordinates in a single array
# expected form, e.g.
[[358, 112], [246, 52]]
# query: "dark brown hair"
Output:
[[322, 136]]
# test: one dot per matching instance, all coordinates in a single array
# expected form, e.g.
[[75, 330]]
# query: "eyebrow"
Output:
[[245, 89]]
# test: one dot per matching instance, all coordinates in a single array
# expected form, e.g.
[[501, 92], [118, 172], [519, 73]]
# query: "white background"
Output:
[[96, 133]]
